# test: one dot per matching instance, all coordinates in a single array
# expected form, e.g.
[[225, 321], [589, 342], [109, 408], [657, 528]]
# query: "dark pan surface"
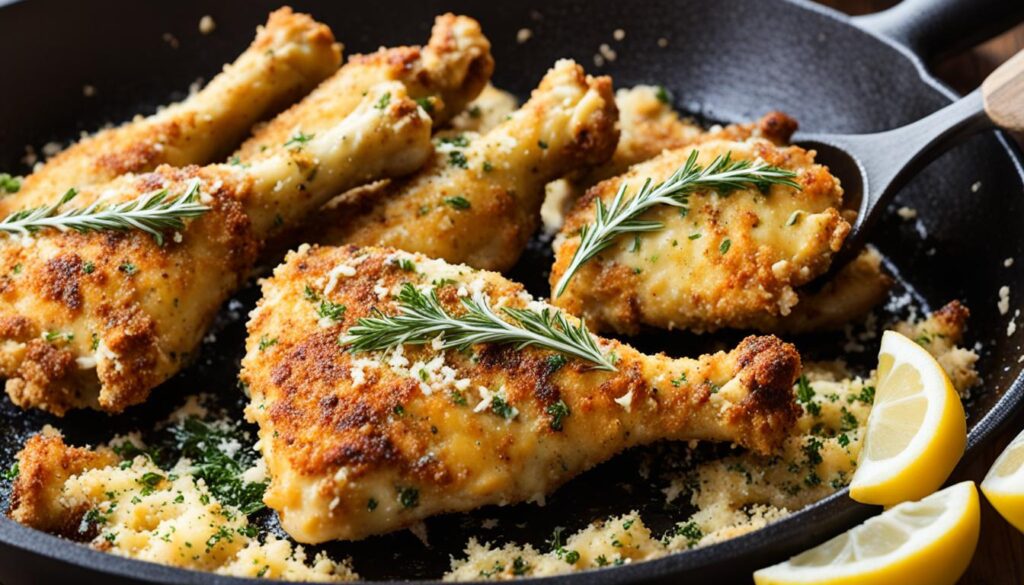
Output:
[[724, 62]]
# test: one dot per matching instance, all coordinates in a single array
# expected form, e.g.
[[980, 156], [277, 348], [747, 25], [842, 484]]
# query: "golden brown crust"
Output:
[[846, 298], [449, 72], [478, 203], [44, 464], [725, 263], [338, 428], [102, 288], [291, 54], [110, 315]]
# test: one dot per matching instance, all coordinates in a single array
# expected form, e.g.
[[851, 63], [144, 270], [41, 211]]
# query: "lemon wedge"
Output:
[[929, 542], [916, 431], [1004, 484]]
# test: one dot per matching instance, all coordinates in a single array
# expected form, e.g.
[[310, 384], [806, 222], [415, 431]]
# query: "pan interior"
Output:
[[722, 63]]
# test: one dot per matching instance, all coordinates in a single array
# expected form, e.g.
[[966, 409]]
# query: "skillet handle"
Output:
[[1003, 92], [935, 28]]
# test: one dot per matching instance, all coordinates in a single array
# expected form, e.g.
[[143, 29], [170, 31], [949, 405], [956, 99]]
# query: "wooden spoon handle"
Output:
[[1003, 92]]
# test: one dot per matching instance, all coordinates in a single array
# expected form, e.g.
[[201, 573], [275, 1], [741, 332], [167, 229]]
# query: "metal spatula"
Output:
[[873, 167]]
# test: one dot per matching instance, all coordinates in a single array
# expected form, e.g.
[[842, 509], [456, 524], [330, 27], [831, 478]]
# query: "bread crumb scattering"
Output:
[[207, 25]]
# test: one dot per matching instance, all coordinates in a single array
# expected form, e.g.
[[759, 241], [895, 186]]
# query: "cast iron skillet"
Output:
[[725, 61]]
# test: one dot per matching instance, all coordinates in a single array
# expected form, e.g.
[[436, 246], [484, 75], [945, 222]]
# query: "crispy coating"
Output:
[[363, 443], [288, 58], [855, 289], [44, 465], [725, 263], [445, 75], [99, 319], [649, 126], [478, 201]]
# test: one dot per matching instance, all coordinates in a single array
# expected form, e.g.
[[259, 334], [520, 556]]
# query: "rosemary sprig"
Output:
[[153, 213], [422, 319], [622, 215]]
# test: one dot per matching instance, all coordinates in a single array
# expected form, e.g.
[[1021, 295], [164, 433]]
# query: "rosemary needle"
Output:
[[621, 216], [153, 213], [422, 319]]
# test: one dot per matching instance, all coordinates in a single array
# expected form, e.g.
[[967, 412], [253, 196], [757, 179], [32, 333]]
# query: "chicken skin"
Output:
[[98, 319], [726, 261], [361, 443], [478, 201], [443, 77], [289, 57]]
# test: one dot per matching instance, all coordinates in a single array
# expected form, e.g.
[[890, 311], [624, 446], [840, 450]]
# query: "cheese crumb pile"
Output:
[[137, 510]]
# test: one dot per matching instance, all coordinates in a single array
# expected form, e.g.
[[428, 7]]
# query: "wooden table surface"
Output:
[[999, 559]]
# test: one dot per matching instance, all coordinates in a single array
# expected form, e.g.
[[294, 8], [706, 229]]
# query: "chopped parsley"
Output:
[[149, 481], [812, 450], [88, 267], [567, 555], [222, 472], [310, 294], [688, 530], [10, 474], [426, 103], [457, 158], [457, 202], [328, 310], [558, 412], [9, 184], [298, 140], [405, 264], [843, 440], [724, 246], [51, 336], [371, 504], [383, 101], [487, 166], [543, 145], [458, 398], [555, 362], [847, 420], [519, 566], [265, 342], [502, 408], [866, 396], [664, 95], [458, 141], [805, 396], [128, 268], [677, 382], [409, 497]]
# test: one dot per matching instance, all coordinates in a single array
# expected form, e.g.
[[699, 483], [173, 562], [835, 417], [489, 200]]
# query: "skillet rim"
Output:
[[42, 546]]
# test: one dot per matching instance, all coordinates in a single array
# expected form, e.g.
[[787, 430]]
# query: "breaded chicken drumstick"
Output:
[[291, 54], [98, 319], [478, 202], [445, 75], [721, 260], [361, 441]]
